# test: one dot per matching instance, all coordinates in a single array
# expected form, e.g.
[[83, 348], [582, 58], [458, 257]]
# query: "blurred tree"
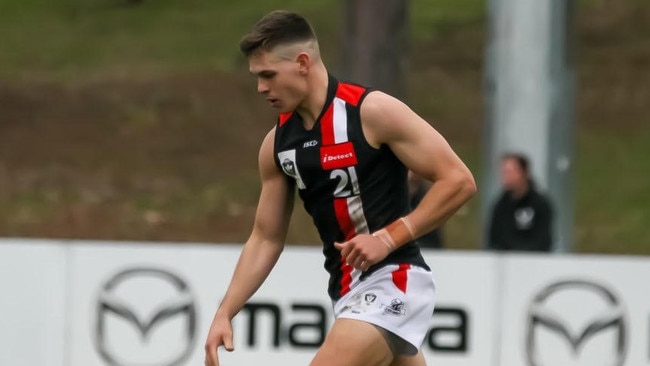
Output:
[[375, 36]]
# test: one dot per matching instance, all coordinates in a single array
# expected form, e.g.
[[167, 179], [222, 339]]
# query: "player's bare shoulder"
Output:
[[265, 158], [375, 106], [384, 117]]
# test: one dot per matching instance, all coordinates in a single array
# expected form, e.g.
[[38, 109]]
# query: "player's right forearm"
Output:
[[255, 263]]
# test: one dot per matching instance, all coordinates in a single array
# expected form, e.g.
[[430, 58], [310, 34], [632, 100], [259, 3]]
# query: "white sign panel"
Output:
[[138, 304], [576, 311], [32, 312], [287, 319], [462, 331]]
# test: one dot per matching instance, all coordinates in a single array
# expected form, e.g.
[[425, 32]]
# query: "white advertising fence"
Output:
[[576, 311], [136, 304]]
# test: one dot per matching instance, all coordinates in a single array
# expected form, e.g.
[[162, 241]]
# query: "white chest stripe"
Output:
[[340, 121], [354, 203]]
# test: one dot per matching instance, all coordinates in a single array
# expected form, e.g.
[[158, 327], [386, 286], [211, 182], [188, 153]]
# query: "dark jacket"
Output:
[[522, 224]]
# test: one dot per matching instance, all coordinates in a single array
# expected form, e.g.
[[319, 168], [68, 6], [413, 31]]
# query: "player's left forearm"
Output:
[[443, 199]]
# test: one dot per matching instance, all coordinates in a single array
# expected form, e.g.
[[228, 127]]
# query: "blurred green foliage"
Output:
[[118, 119]]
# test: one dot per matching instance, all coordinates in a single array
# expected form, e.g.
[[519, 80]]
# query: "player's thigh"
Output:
[[403, 360], [353, 342]]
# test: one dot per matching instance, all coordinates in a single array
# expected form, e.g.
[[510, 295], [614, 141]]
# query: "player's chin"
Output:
[[283, 108]]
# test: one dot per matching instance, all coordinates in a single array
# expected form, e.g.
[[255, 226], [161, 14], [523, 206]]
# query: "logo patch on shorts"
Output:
[[396, 307], [369, 298], [361, 303]]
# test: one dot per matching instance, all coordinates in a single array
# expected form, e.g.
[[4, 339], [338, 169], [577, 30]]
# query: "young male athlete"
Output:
[[346, 149]]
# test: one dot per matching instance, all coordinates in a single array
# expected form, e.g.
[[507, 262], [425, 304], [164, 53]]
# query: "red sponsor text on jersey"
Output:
[[337, 156]]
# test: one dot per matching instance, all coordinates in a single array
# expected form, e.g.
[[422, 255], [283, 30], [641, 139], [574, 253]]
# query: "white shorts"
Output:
[[397, 298]]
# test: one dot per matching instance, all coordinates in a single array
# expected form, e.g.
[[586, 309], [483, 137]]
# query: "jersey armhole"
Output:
[[276, 159], [362, 134]]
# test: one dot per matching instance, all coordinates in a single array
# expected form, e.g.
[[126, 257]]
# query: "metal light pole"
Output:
[[529, 89]]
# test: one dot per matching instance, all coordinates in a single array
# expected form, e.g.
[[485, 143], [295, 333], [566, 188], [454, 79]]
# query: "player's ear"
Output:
[[303, 61]]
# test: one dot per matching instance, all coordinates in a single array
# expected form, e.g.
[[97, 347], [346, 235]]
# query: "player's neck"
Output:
[[311, 108]]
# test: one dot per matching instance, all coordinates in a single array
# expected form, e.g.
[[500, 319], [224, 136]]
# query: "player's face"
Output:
[[512, 176], [279, 79]]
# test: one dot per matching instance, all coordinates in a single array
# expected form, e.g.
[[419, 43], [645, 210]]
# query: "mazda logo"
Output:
[[573, 312], [132, 306]]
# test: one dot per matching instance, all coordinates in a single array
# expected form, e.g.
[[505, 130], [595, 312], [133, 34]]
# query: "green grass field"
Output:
[[139, 122], [72, 39]]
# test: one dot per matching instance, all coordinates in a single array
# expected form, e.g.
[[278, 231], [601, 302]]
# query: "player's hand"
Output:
[[363, 251], [220, 335]]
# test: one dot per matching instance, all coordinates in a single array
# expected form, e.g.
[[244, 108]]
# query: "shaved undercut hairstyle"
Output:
[[276, 28]]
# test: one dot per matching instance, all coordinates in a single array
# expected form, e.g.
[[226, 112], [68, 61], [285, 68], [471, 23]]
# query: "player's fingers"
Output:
[[356, 258], [359, 263], [227, 343], [352, 256], [345, 248]]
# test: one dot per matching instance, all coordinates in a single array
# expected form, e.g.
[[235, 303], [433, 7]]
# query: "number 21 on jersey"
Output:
[[348, 184]]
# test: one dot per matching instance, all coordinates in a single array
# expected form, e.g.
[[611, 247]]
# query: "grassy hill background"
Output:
[[140, 122]]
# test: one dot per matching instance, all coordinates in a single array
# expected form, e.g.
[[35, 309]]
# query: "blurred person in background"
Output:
[[418, 187], [521, 218], [347, 150]]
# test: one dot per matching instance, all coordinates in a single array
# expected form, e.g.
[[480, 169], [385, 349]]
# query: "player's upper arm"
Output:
[[386, 120], [276, 198]]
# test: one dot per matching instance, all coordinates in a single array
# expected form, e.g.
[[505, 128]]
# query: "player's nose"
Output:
[[262, 87]]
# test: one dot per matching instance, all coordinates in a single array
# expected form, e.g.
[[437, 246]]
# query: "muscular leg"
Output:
[[354, 343], [417, 360]]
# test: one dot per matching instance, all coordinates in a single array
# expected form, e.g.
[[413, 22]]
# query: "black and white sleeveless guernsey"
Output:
[[347, 186]]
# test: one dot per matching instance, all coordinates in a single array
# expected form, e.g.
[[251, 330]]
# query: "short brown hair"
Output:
[[520, 159], [275, 28]]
